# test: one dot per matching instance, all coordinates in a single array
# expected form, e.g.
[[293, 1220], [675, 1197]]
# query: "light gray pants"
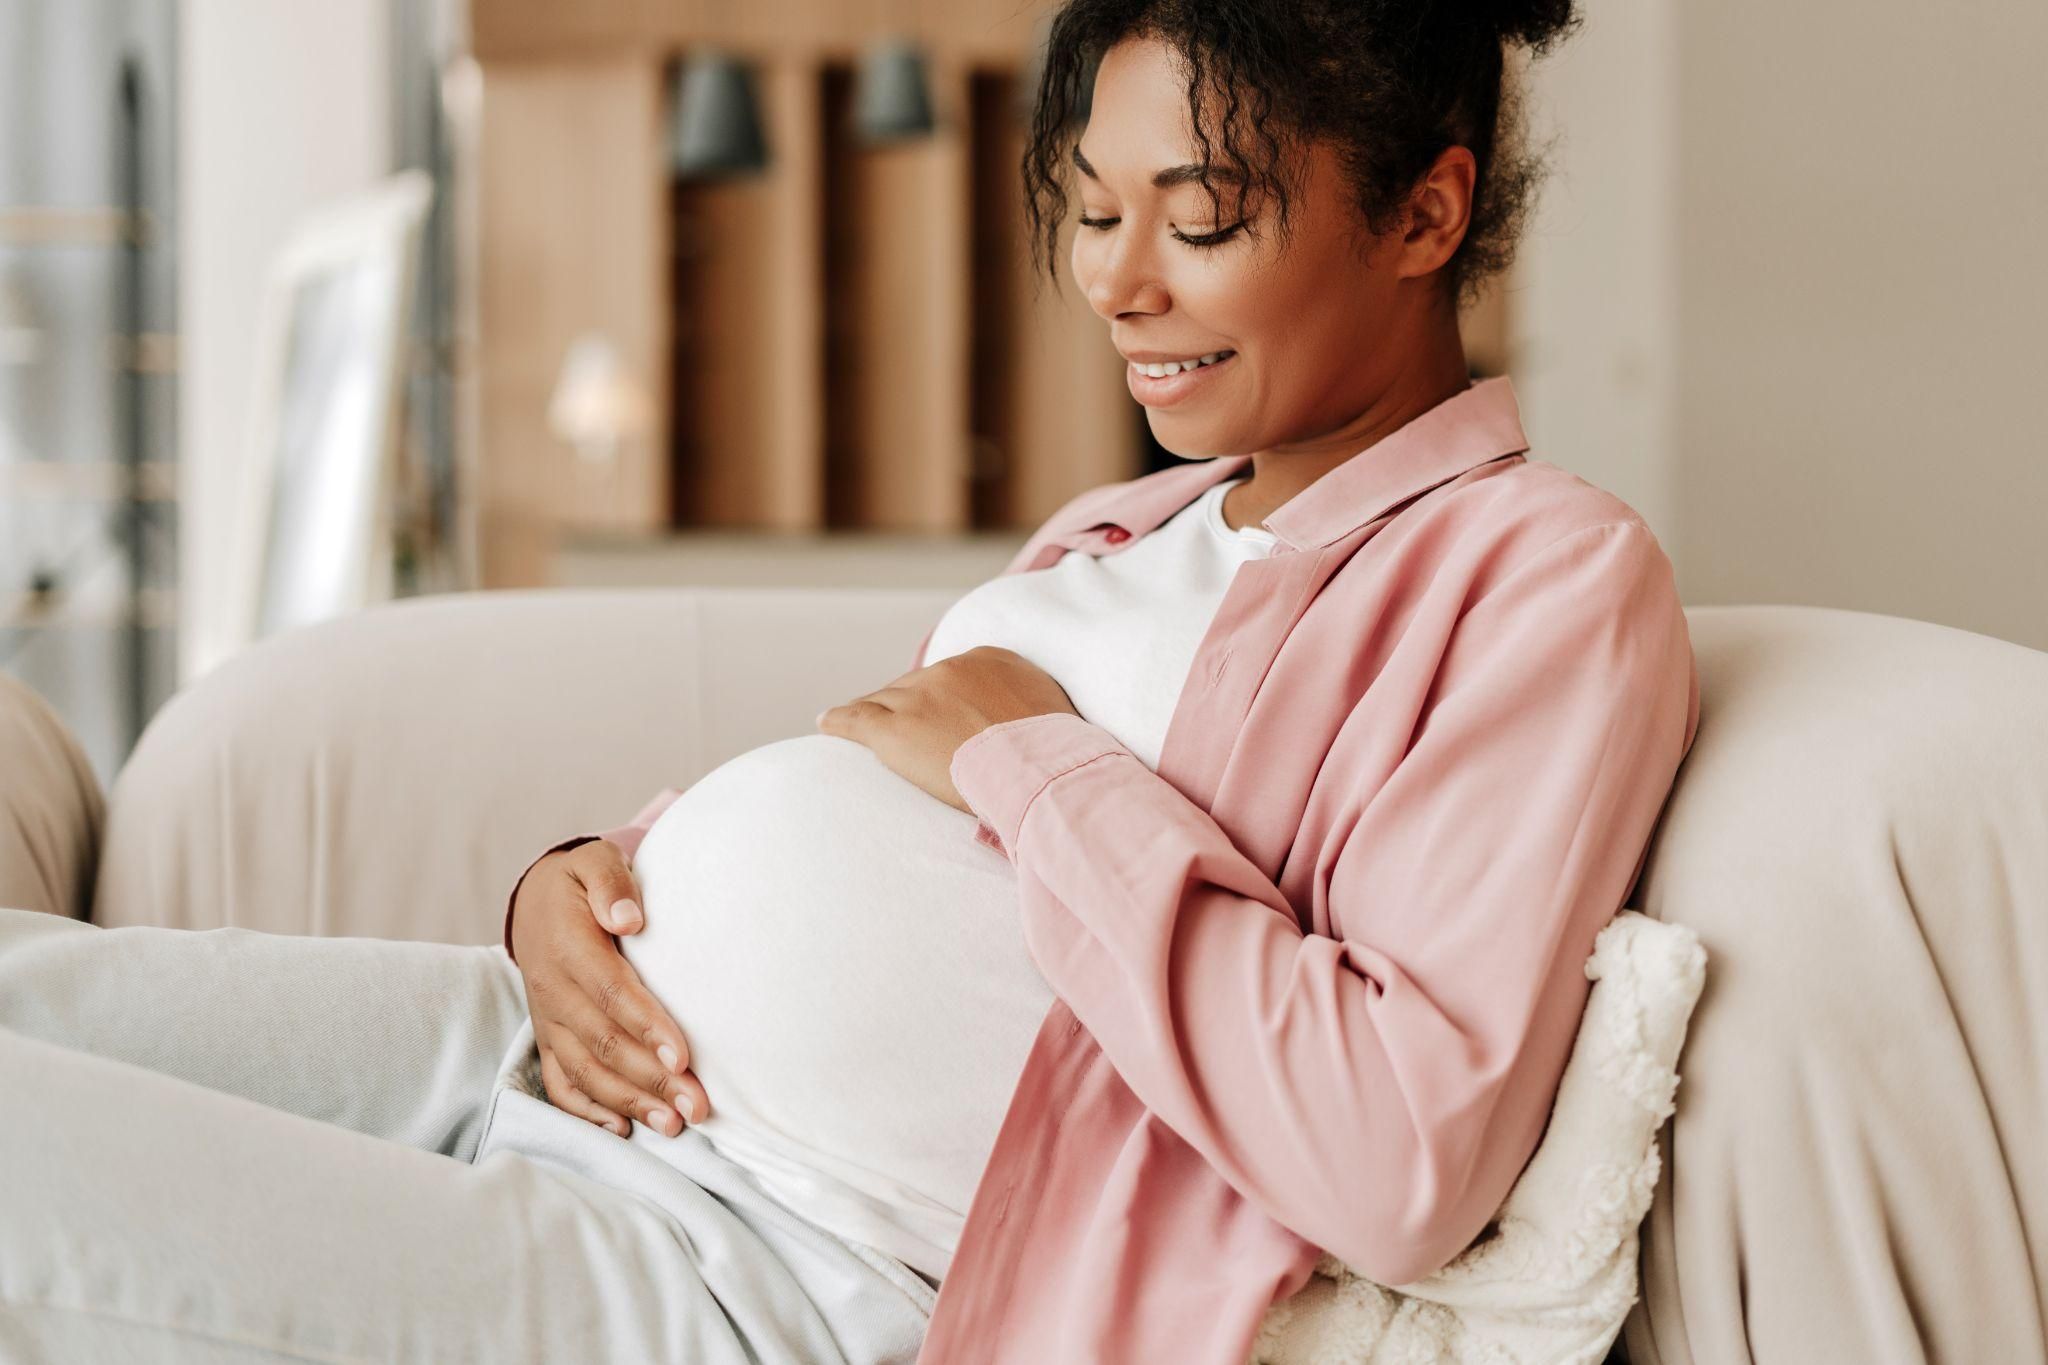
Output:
[[228, 1145]]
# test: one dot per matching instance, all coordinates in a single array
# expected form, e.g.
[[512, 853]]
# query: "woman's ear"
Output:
[[1439, 212]]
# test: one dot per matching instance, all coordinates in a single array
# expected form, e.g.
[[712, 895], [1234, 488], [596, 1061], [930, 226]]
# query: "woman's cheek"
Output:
[[1081, 260]]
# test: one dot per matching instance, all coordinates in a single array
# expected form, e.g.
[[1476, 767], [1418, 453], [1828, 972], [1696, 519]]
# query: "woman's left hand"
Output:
[[916, 723]]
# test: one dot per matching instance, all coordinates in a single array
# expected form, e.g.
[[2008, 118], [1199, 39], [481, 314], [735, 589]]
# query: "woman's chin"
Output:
[[1188, 440]]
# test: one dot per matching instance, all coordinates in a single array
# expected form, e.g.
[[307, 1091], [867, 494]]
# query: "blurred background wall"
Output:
[[1778, 295], [1862, 196], [285, 107], [1594, 290]]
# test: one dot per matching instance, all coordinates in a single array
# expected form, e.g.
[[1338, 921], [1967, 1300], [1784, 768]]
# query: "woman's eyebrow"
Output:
[[1170, 177]]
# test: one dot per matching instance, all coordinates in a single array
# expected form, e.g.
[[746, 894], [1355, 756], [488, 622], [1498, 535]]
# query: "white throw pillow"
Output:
[[1554, 1277]]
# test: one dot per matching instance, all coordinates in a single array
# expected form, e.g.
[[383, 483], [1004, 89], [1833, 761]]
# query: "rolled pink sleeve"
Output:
[[1377, 1090], [1000, 769], [626, 836]]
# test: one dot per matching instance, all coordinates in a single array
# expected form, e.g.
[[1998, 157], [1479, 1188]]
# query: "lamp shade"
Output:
[[891, 96], [717, 121]]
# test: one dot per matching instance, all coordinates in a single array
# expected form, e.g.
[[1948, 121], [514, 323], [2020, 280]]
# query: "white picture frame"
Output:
[[315, 537]]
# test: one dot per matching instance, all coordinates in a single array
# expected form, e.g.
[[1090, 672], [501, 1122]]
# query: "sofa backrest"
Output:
[[390, 774]]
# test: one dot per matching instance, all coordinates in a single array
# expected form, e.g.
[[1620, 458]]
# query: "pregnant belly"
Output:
[[848, 967]]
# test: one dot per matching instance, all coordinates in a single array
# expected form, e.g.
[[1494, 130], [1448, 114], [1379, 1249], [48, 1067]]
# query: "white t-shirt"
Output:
[[843, 957]]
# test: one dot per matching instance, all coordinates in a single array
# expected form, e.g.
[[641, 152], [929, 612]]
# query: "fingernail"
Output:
[[667, 1055], [657, 1119], [625, 914], [688, 1105]]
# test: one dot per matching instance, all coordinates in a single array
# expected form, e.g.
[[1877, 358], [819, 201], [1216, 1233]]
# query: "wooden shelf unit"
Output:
[[851, 340], [847, 341]]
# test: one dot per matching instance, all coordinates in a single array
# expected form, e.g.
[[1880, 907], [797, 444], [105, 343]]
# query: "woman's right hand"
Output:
[[607, 1047]]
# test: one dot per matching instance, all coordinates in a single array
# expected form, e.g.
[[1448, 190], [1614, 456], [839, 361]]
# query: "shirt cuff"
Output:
[[999, 770], [629, 835]]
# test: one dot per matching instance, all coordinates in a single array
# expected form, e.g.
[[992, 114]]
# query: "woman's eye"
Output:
[[1216, 238]]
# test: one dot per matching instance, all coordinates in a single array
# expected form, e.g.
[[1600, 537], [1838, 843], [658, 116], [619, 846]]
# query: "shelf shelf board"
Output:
[[158, 607], [86, 480], [57, 225]]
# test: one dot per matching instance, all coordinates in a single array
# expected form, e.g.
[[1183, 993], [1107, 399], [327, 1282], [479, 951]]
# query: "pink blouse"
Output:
[[1319, 974]]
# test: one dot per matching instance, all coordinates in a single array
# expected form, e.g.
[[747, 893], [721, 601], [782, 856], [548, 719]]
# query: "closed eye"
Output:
[[1216, 238]]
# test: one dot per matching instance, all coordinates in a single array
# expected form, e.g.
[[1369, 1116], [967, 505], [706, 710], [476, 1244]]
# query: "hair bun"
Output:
[[1535, 23]]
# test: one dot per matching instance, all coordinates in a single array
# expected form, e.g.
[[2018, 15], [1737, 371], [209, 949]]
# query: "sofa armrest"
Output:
[[51, 808], [392, 773], [1857, 838]]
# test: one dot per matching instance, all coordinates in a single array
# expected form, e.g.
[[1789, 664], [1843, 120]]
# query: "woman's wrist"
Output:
[[512, 901]]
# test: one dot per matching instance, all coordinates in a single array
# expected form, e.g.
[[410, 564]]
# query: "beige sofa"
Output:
[[1860, 837]]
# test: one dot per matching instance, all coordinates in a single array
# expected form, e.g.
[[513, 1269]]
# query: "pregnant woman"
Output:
[[1212, 891]]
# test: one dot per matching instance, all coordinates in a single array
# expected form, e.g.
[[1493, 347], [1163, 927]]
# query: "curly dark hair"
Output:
[[1391, 82]]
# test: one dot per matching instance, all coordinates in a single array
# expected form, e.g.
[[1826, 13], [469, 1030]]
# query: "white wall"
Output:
[[1787, 296], [1864, 296], [1595, 301], [284, 105]]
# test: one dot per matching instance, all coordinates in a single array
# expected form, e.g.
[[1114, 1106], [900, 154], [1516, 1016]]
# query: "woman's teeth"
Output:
[[1161, 369]]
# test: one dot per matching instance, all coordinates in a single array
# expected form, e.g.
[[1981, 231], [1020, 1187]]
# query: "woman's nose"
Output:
[[1125, 284]]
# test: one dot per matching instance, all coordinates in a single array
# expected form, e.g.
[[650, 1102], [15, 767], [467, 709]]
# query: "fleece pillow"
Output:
[[1555, 1275]]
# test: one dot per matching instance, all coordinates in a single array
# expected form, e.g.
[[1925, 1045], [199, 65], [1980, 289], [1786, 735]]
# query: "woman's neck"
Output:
[[1440, 372]]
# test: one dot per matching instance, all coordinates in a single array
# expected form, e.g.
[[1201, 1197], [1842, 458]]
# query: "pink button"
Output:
[[1116, 535]]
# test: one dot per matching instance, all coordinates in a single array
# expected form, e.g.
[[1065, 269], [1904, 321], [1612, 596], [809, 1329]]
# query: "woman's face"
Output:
[[1306, 333]]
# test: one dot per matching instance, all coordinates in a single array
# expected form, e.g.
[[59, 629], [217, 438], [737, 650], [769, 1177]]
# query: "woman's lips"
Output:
[[1175, 388]]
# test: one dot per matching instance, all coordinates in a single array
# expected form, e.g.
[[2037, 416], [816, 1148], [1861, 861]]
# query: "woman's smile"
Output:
[[1177, 380]]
